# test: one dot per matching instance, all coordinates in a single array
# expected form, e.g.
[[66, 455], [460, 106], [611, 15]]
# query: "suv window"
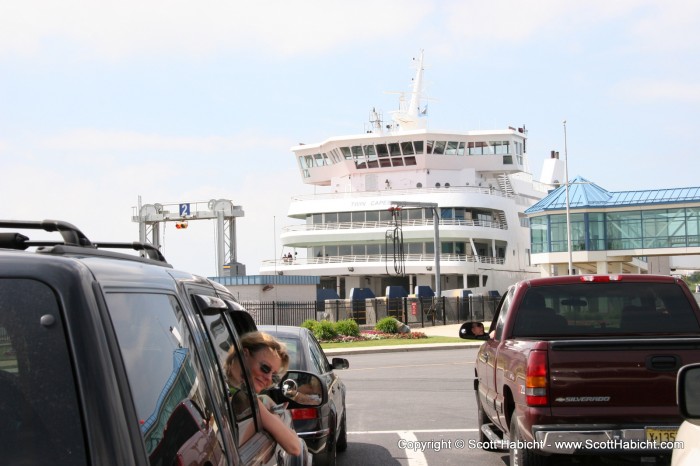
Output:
[[167, 381], [240, 403], [39, 414]]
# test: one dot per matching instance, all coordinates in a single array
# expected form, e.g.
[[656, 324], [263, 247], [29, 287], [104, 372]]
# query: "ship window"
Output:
[[430, 248], [343, 217], [439, 147], [358, 250], [372, 164], [415, 248], [415, 214], [429, 147], [325, 159], [346, 153], [309, 161], [394, 149], [382, 150], [372, 249], [446, 213], [407, 148], [397, 162], [507, 160], [344, 250], [410, 160], [451, 148], [331, 217], [419, 146], [369, 150], [372, 216], [358, 217], [447, 248], [331, 250], [357, 153], [460, 149], [385, 162], [459, 248], [316, 219], [385, 216]]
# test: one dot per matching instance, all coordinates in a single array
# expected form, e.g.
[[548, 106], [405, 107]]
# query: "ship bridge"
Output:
[[612, 232]]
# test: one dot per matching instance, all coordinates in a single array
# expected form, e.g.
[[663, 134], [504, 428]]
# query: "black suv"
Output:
[[110, 358]]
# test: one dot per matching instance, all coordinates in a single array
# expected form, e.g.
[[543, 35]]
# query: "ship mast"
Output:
[[411, 117]]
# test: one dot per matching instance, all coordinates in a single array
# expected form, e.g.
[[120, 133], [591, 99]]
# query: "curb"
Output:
[[400, 348]]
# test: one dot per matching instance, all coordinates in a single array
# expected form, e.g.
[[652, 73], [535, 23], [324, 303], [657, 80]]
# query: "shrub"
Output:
[[324, 330], [387, 325], [347, 327], [309, 324]]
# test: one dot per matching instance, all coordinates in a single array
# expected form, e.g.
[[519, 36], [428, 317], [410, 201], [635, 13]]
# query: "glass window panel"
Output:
[[418, 145], [410, 161], [369, 150], [385, 162], [429, 147], [460, 149], [372, 249], [447, 248], [439, 147], [415, 248], [331, 217], [345, 250], [358, 217], [429, 248], [397, 162], [372, 216], [451, 148], [382, 151], [331, 251], [407, 148], [344, 217], [346, 153], [415, 214], [316, 219], [384, 216], [358, 249], [394, 149]]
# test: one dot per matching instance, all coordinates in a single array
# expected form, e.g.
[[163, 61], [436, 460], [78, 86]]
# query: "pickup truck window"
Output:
[[40, 420], [605, 309], [167, 381], [503, 312]]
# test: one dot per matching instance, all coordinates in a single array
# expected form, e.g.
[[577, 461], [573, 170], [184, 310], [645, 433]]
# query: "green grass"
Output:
[[392, 342]]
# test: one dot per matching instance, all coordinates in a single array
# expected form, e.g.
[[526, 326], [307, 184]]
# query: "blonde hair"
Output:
[[256, 341]]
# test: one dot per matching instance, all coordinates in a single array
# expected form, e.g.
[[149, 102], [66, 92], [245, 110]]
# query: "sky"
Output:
[[105, 104]]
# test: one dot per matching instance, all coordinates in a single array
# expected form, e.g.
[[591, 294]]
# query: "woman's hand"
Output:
[[285, 436]]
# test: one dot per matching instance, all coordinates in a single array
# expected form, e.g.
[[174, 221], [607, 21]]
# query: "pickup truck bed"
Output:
[[586, 365]]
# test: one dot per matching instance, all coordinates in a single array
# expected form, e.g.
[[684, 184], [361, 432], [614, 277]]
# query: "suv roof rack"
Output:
[[74, 241]]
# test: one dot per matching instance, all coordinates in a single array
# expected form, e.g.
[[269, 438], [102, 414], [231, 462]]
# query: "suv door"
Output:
[[177, 412], [254, 444]]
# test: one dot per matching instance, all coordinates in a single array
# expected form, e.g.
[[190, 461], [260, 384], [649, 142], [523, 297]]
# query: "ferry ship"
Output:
[[373, 226]]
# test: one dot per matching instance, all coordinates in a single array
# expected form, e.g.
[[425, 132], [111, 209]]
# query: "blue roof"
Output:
[[586, 194]]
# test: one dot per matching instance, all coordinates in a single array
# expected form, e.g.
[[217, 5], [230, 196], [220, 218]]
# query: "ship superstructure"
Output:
[[353, 237]]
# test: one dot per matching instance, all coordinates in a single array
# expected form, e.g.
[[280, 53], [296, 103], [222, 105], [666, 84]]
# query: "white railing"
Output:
[[394, 192], [390, 224], [382, 258]]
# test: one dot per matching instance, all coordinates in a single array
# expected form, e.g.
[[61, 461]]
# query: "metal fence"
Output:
[[412, 311]]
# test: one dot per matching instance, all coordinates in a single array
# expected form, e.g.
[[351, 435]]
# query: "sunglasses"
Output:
[[266, 369]]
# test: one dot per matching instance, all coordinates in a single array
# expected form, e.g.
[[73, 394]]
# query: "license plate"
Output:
[[661, 434]]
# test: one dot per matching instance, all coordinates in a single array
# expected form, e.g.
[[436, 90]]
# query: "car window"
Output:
[[318, 356], [168, 385], [295, 352], [239, 398], [503, 312], [39, 414]]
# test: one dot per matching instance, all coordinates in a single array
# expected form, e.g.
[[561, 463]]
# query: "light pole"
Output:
[[568, 215]]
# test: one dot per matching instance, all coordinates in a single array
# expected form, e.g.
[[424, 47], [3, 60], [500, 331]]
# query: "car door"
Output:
[[336, 389]]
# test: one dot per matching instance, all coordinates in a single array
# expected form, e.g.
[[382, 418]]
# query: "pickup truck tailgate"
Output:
[[624, 378]]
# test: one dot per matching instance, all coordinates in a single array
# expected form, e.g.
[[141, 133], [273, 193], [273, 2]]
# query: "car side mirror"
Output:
[[473, 331], [688, 391], [303, 388], [340, 363]]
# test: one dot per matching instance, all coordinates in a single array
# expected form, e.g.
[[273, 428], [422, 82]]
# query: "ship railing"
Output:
[[389, 224], [489, 190], [382, 258]]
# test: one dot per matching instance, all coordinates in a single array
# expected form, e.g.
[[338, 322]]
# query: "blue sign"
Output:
[[184, 210]]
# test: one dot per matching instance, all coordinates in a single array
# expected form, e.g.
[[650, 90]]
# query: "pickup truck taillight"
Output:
[[536, 379]]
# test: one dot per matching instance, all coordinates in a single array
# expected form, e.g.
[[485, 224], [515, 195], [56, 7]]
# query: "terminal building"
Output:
[[648, 231]]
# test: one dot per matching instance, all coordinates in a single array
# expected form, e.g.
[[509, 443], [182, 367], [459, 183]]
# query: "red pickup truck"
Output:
[[585, 365]]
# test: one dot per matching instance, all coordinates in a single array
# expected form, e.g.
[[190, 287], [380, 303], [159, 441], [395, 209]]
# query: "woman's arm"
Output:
[[286, 437]]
